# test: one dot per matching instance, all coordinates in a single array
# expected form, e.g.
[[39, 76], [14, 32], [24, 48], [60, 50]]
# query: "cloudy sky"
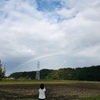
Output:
[[58, 33]]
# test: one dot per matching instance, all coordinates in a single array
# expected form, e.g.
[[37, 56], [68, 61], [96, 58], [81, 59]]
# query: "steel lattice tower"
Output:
[[38, 71]]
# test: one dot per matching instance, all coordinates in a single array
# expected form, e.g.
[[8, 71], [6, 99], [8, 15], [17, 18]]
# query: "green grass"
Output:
[[36, 81], [43, 81]]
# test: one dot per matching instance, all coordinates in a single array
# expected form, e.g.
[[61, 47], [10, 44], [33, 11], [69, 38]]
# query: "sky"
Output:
[[58, 33]]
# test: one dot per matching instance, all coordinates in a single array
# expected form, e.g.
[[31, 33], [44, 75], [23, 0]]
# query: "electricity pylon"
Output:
[[38, 71]]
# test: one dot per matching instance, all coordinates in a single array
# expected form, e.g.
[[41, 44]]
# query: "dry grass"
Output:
[[66, 91]]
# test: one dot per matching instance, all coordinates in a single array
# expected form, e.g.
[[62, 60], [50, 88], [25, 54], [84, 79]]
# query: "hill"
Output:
[[91, 73]]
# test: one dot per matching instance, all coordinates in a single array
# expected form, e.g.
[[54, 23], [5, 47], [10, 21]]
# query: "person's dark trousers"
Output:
[[41, 99]]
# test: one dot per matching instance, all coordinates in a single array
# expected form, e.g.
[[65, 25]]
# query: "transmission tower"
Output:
[[38, 71], [0, 65]]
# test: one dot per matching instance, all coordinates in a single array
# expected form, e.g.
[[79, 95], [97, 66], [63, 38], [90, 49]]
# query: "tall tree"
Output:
[[2, 71]]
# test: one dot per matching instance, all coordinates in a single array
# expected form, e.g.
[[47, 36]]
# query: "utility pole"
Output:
[[38, 71]]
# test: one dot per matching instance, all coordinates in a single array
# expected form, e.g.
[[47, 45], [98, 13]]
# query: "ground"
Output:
[[64, 91]]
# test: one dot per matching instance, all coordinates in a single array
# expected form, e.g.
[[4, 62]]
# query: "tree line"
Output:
[[91, 73]]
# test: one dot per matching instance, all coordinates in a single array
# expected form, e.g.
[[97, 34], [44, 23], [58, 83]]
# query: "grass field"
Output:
[[41, 81], [56, 90]]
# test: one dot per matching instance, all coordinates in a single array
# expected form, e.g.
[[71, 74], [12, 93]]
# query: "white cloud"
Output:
[[27, 33], [90, 52]]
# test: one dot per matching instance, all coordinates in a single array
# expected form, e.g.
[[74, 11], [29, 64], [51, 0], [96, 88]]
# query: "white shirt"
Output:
[[42, 93]]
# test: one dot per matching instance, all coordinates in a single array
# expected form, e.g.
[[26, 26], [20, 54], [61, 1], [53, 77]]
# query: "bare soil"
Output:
[[54, 91]]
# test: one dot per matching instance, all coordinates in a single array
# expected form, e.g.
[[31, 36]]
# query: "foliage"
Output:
[[23, 75], [44, 73], [2, 71], [86, 73]]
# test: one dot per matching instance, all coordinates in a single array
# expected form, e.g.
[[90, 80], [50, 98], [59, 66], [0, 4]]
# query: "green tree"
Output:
[[2, 71], [44, 73], [53, 75]]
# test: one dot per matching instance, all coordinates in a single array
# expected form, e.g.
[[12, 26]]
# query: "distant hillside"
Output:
[[30, 74], [86, 73]]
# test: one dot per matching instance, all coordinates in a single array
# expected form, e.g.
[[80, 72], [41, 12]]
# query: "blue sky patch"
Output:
[[48, 6]]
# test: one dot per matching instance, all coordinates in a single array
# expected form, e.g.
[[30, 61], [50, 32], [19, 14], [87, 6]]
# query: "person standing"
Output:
[[42, 91]]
